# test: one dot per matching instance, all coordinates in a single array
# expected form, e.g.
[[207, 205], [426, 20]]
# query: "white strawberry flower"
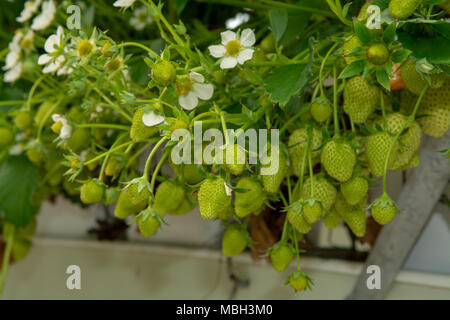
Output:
[[65, 131], [123, 3], [151, 119], [13, 74], [234, 49], [16, 149], [29, 9], [191, 88], [13, 56], [140, 19], [45, 18], [53, 60]]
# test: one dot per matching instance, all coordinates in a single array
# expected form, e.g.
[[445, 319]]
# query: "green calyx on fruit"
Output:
[[324, 191], [164, 73], [234, 241], [133, 198], [299, 281], [148, 222], [378, 53], [312, 211], [383, 209], [92, 191]]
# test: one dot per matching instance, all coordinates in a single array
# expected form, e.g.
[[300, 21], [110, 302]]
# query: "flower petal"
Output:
[[66, 132], [51, 43], [227, 36], [247, 38], [44, 59], [151, 119], [196, 77], [188, 101], [217, 51], [203, 90], [245, 55], [228, 63]]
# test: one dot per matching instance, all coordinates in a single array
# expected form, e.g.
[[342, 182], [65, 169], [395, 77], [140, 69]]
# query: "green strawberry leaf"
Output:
[[436, 49], [18, 181], [278, 22], [383, 79], [362, 32], [354, 68], [400, 55], [389, 33]]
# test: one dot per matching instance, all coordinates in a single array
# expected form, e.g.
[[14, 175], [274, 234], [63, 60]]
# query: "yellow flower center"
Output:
[[233, 47], [113, 65], [184, 86], [26, 43], [84, 48], [56, 127], [142, 17]]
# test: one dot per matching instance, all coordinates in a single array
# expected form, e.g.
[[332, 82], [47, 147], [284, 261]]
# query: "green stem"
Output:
[[224, 128], [113, 149], [139, 45], [406, 125], [46, 116], [150, 156], [335, 107], [297, 252], [155, 173], [33, 89], [104, 125], [115, 107], [323, 65], [6, 258]]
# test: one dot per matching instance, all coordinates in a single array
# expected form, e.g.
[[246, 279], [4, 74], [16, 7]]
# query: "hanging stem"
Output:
[[335, 113], [6, 258], [139, 45], [323, 65], [149, 159], [155, 173], [406, 125]]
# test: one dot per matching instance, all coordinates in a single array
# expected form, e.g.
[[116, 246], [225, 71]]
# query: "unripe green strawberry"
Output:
[[168, 197], [360, 99], [356, 220], [415, 82], [363, 15], [113, 166], [91, 192], [234, 241], [20, 248], [6, 137], [402, 9], [234, 159], [164, 73], [324, 191], [348, 47], [133, 198], [435, 111], [297, 144], [281, 256], [383, 209], [298, 281], [79, 140], [332, 219], [413, 163], [71, 187], [139, 131], [339, 159], [190, 172], [409, 140], [312, 211], [148, 224], [188, 204], [251, 201], [321, 109], [226, 214], [297, 220], [407, 101], [23, 120], [44, 108], [268, 44], [272, 182], [378, 53], [35, 154], [213, 198], [355, 189], [377, 150]]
